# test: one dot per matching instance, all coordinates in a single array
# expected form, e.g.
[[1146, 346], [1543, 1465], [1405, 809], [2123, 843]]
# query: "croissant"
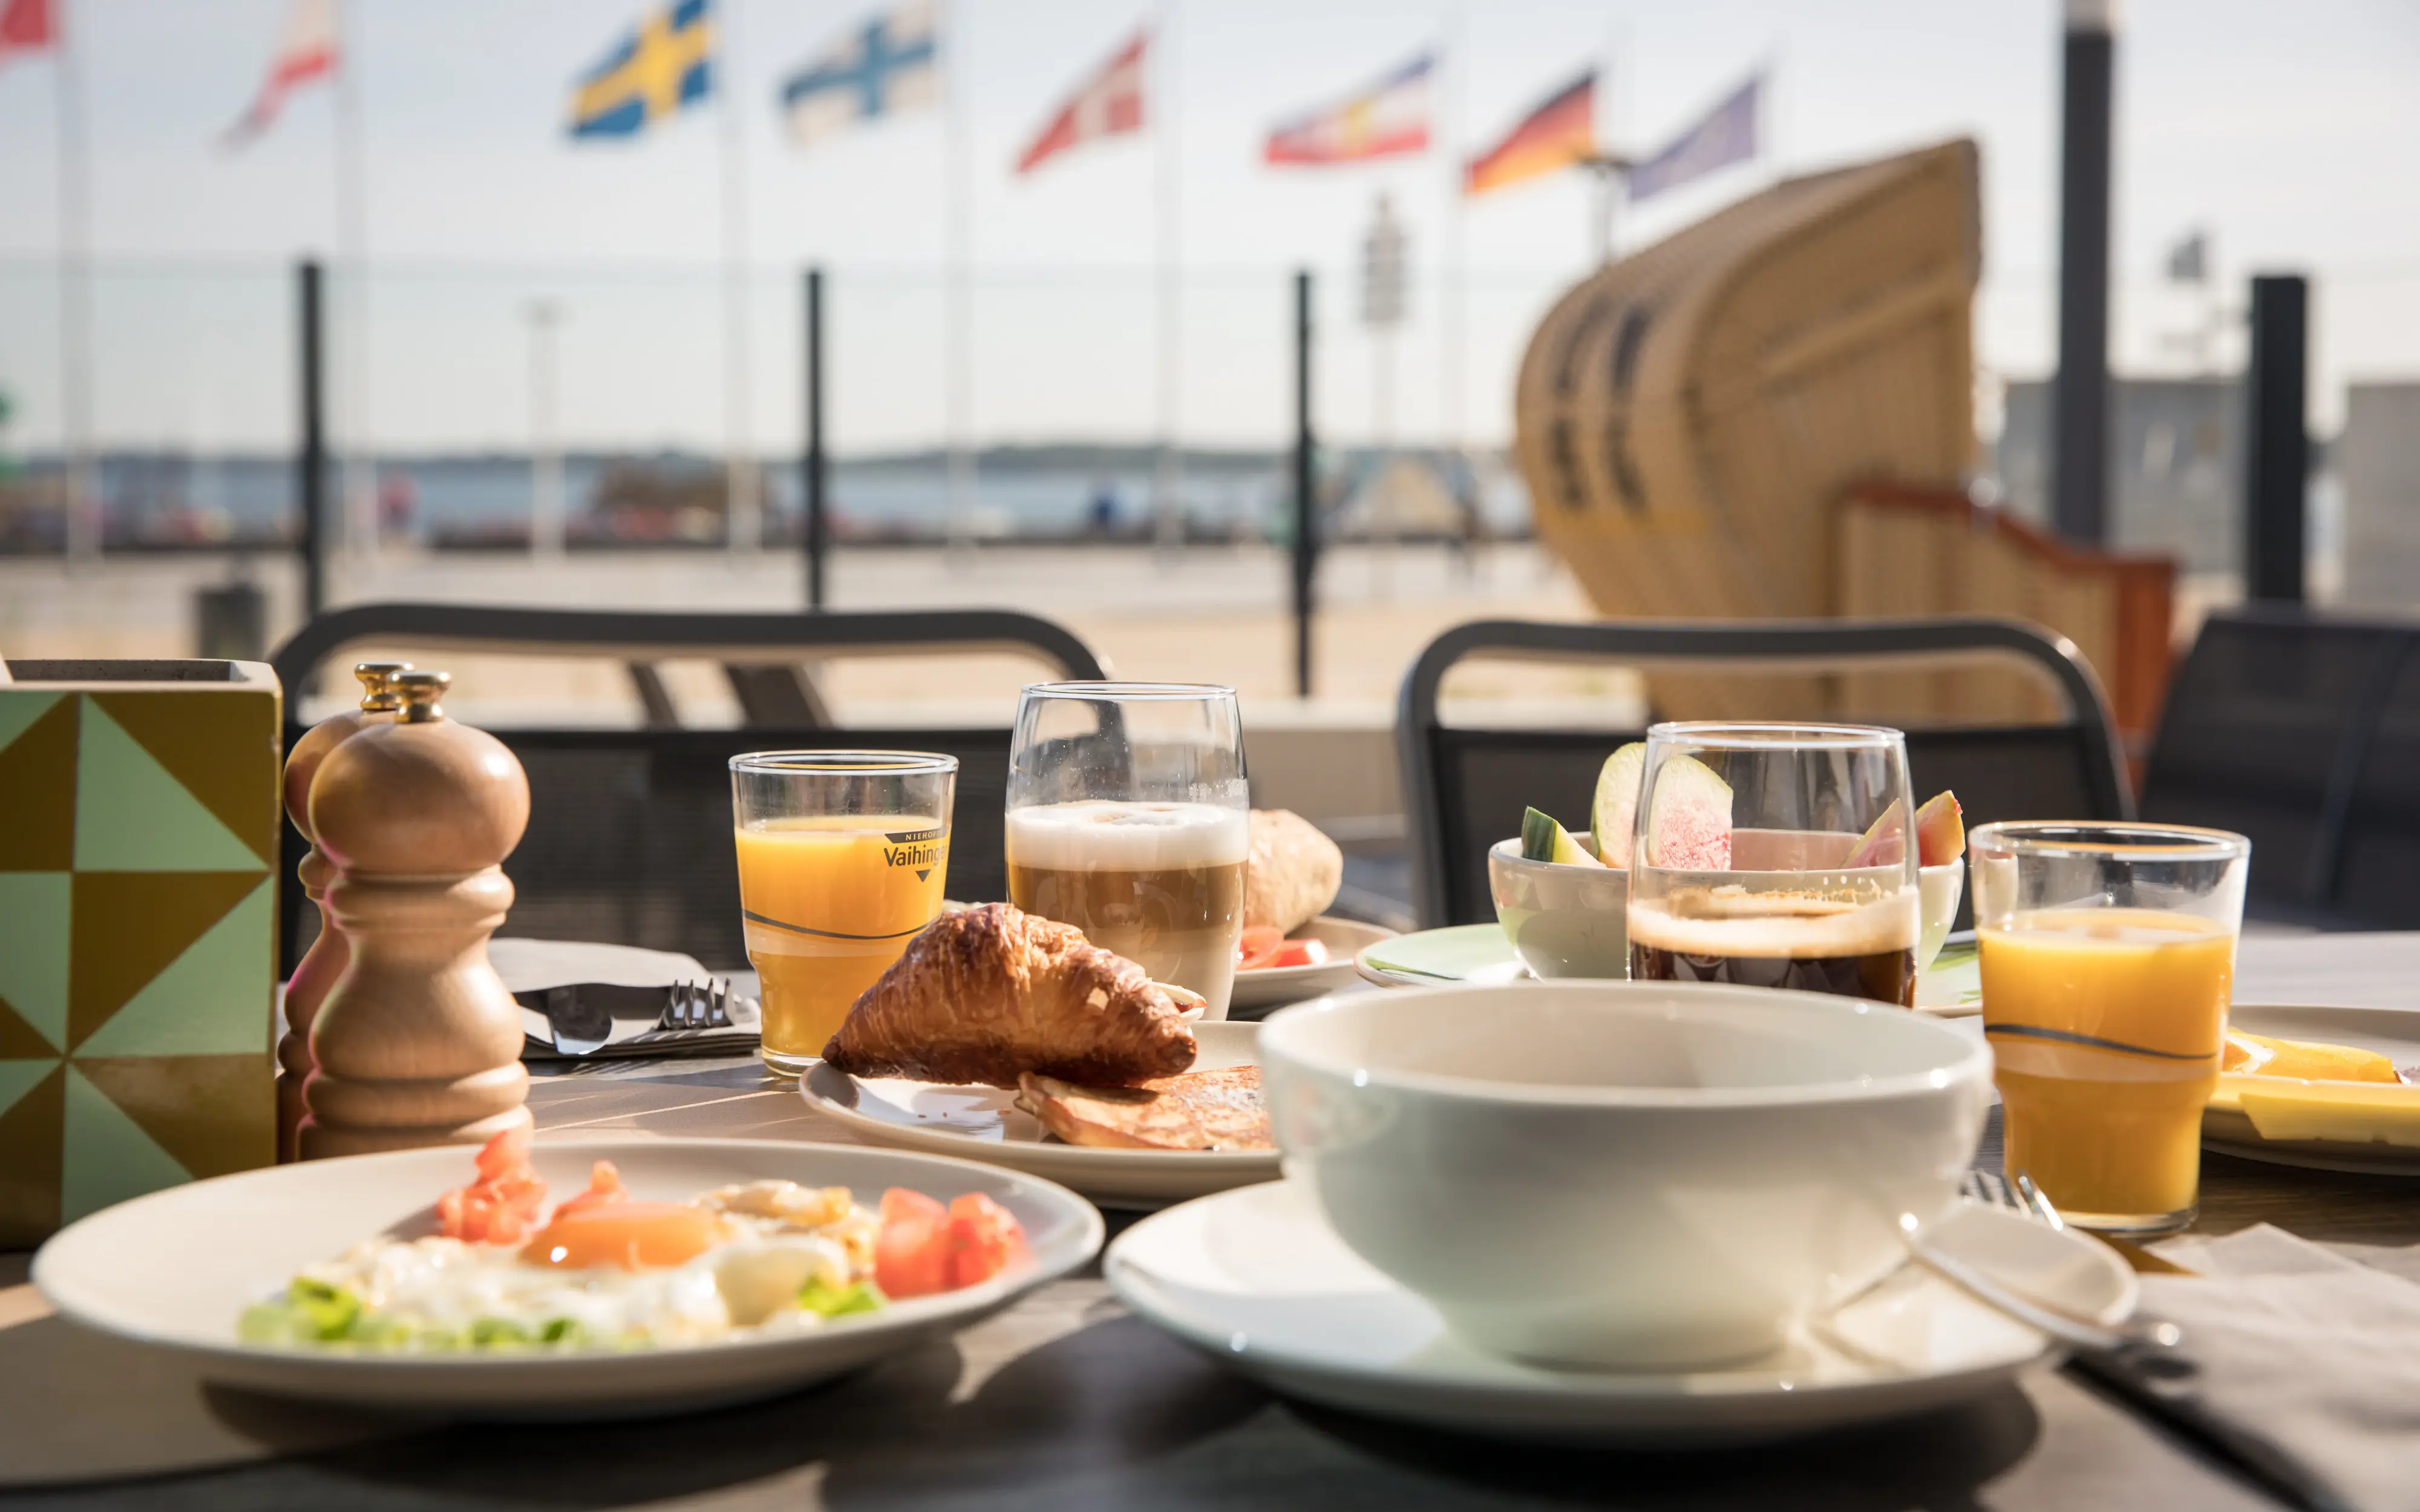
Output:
[[993, 992]]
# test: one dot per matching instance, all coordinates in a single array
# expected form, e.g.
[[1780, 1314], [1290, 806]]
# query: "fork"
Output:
[[696, 1006], [2134, 1370]]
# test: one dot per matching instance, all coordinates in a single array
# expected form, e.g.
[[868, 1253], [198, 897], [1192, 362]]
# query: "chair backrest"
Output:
[[630, 832], [2303, 732], [1465, 788]]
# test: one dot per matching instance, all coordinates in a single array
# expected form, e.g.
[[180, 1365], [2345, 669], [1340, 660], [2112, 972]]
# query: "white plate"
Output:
[[983, 1123], [1257, 1278], [1260, 992], [2394, 1033], [176, 1269]]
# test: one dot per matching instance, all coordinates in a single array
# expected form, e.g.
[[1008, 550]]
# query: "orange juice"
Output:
[[828, 903], [2106, 1025]]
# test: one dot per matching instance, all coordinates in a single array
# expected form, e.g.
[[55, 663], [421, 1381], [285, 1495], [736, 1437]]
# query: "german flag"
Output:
[[1557, 135]]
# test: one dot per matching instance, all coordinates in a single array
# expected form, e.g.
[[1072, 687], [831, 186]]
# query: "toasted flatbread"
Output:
[[1196, 1111]]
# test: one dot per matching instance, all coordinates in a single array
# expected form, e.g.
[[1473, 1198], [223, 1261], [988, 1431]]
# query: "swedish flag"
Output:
[[667, 63]]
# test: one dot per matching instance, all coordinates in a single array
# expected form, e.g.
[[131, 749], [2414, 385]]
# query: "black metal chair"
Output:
[[2301, 731], [1463, 789], [630, 832]]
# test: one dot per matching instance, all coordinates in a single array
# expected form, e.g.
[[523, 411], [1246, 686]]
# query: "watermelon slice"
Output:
[[1616, 809], [1689, 825], [1542, 839], [1939, 835]]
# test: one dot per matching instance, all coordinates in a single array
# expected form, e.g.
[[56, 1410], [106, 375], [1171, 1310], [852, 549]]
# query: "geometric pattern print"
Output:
[[138, 833]]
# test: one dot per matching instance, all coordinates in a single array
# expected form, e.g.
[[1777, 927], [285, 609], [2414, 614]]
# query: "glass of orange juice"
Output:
[[843, 856], [2108, 957]]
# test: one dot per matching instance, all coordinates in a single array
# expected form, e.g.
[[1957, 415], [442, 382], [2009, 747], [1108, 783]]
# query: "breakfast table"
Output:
[[1065, 1401]]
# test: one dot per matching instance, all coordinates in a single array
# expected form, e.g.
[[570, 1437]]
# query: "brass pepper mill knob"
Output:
[[377, 685], [420, 692]]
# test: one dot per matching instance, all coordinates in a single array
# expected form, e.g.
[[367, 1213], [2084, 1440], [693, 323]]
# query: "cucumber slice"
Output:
[[1542, 839]]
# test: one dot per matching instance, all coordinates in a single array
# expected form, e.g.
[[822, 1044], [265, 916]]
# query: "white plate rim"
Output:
[[2319, 1155], [1702, 1390], [1068, 1162], [911, 1318]]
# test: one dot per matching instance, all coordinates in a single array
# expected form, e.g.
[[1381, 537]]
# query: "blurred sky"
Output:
[[2286, 130]]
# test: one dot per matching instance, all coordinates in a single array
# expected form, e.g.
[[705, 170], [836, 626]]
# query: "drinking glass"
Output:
[[1775, 855], [842, 857], [1128, 817], [2108, 956]]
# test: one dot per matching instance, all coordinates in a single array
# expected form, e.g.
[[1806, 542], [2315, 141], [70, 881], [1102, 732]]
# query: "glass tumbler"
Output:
[[2108, 957], [1129, 817], [1775, 855], [843, 859]]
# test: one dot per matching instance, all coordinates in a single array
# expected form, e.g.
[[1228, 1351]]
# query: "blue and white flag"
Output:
[[1726, 135], [890, 64]]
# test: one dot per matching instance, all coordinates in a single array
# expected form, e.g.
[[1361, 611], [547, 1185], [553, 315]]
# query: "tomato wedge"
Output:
[[1259, 948], [501, 1205], [911, 1252], [984, 1240]]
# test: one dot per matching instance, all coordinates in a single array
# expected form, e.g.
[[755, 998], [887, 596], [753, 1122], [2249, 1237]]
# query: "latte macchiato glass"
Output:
[[1775, 855], [1128, 818]]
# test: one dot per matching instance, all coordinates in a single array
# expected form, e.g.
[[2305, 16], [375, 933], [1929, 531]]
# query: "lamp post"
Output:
[[546, 449]]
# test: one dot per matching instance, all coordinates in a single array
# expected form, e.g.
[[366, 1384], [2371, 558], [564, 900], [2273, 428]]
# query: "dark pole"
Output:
[[312, 480], [2080, 413], [1306, 508], [819, 542], [2276, 450]]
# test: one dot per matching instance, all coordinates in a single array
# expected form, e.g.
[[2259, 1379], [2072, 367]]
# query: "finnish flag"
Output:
[[892, 63]]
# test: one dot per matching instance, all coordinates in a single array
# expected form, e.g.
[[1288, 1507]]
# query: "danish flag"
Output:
[[306, 50], [1110, 104]]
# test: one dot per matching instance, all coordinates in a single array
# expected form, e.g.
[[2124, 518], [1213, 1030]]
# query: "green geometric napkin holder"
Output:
[[138, 932]]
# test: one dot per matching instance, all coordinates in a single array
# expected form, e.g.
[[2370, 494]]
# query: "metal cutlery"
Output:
[[2142, 1365]]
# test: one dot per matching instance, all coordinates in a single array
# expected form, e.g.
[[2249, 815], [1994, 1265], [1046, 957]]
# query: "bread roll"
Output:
[[1294, 872]]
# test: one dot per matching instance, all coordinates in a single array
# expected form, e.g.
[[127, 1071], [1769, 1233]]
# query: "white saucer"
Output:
[[1257, 1278], [983, 1123]]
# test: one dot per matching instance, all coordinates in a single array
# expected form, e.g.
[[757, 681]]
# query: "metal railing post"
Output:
[[2276, 440], [814, 467], [310, 482], [1306, 506]]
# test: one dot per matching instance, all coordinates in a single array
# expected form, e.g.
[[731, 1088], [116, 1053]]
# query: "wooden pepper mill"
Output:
[[418, 1043], [325, 960]]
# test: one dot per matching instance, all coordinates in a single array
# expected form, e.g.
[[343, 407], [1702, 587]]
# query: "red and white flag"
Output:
[[306, 50], [28, 27], [1110, 104]]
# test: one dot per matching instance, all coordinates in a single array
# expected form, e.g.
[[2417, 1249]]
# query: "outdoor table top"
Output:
[[1067, 1401]]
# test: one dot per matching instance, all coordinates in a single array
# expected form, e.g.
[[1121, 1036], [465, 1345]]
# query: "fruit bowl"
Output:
[[1564, 920]]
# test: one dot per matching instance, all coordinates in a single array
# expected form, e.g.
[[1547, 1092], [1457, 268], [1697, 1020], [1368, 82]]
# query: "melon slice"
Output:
[[1689, 824], [1542, 839], [1939, 835], [1616, 809], [1940, 830]]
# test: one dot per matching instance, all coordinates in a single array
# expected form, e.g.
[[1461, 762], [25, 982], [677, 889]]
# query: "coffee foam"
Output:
[[1731, 921], [1106, 837]]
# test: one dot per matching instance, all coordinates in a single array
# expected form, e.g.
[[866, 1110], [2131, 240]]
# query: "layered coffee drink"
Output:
[[1161, 884], [1812, 940]]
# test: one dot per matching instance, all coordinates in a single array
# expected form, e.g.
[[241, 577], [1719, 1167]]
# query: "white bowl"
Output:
[[1939, 888], [1642, 1175], [1563, 919]]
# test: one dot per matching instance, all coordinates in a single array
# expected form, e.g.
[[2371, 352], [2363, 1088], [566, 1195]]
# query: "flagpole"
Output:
[[1169, 508], [79, 497], [1456, 295], [744, 527], [957, 379], [353, 238]]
